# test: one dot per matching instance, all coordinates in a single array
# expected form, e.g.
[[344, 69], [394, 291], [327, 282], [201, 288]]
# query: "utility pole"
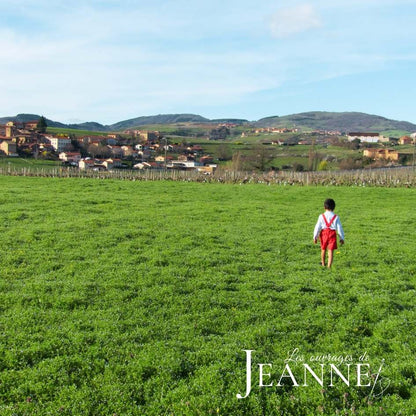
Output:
[[166, 151]]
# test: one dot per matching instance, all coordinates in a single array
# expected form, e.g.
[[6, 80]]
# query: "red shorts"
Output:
[[328, 239]]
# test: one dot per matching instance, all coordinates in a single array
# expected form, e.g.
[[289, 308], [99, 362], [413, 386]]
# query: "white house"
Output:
[[143, 165], [59, 143], [70, 156], [112, 163], [367, 137], [184, 165], [86, 164]]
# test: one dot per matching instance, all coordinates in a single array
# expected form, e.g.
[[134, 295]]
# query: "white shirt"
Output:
[[336, 225]]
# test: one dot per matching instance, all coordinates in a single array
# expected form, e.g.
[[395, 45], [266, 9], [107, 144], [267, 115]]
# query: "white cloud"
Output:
[[292, 20]]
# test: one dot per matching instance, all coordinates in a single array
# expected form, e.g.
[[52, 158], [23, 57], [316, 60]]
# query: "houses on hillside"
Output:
[[59, 143], [150, 150], [378, 138], [382, 154], [367, 137], [269, 130], [406, 140], [99, 164], [70, 157], [8, 148]]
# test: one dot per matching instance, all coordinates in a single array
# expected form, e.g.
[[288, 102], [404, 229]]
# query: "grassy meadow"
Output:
[[139, 298], [29, 163]]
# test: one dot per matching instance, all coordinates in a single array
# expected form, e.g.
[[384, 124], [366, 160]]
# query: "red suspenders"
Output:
[[328, 224]]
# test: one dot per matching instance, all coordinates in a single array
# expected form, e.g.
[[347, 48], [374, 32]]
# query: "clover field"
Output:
[[140, 298]]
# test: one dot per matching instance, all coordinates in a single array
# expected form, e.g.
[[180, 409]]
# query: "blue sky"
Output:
[[110, 60]]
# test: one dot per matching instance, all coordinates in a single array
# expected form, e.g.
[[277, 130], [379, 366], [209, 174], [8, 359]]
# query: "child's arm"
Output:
[[340, 231], [317, 230]]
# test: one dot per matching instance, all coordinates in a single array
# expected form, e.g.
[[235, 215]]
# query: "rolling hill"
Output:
[[24, 118], [159, 119], [316, 120], [345, 122]]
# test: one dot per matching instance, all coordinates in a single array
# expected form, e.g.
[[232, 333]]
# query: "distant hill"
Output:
[[159, 119], [345, 122], [121, 125], [89, 126], [24, 118], [126, 124], [315, 120]]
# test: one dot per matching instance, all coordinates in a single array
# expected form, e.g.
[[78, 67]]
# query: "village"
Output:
[[137, 149], [143, 149]]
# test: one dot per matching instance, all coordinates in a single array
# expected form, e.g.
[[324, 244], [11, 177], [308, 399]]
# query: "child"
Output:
[[327, 227]]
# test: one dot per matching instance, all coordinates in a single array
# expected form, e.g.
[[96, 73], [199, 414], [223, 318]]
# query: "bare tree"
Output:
[[261, 157], [236, 162], [224, 152]]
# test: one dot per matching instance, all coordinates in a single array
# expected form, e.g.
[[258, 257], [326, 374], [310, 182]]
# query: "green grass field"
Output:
[[77, 132], [138, 298], [29, 163]]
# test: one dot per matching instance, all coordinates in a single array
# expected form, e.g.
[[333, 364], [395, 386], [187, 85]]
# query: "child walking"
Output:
[[326, 228]]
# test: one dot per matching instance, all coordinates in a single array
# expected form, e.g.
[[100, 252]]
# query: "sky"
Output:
[[112, 60]]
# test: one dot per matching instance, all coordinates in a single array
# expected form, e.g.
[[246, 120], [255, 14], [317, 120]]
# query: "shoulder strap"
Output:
[[332, 220], [328, 224]]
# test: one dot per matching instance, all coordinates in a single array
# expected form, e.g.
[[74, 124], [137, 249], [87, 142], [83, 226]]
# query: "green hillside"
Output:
[[24, 118], [344, 122], [318, 120], [159, 119]]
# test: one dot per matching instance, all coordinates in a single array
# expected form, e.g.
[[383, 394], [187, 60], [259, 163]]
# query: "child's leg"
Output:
[[323, 252], [330, 257]]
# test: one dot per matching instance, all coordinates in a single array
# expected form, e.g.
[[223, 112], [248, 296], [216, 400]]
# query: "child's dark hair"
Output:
[[329, 204]]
